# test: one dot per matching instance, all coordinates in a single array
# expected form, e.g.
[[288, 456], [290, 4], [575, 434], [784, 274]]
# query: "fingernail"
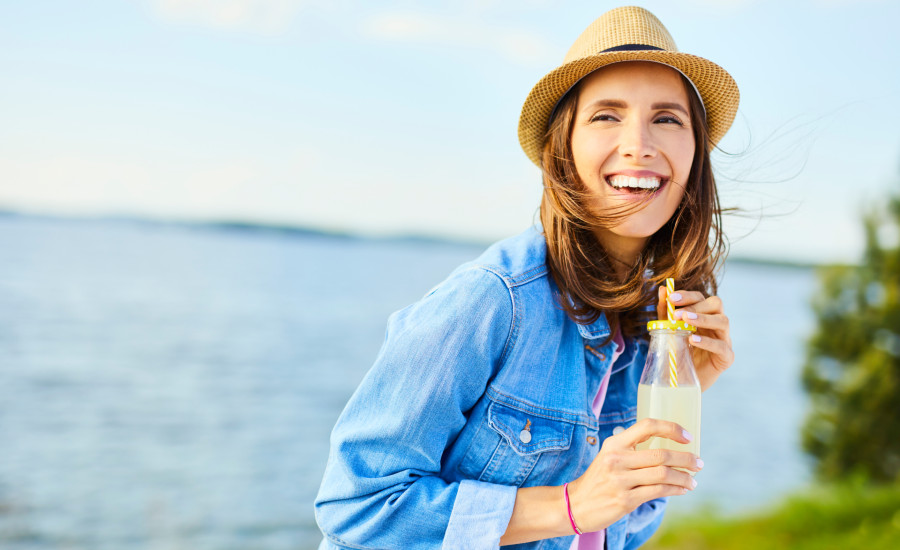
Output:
[[687, 435], [695, 338], [693, 483], [699, 463], [675, 297], [690, 314]]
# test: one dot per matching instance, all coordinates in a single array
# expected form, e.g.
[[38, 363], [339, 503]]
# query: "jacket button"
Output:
[[525, 436], [592, 440], [617, 430]]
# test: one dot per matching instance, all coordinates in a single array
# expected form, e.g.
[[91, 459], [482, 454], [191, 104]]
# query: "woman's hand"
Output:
[[620, 478], [711, 344]]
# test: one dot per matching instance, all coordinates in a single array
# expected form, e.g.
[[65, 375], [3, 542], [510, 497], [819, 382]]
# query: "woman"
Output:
[[501, 408]]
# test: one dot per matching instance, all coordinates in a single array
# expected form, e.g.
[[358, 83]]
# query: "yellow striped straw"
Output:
[[670, 310], [670, 289]]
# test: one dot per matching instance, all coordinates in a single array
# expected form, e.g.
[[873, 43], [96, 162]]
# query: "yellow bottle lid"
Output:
[[670, 325]]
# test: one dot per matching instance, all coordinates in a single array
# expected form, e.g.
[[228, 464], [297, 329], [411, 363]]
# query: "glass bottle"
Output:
[[669, 388]]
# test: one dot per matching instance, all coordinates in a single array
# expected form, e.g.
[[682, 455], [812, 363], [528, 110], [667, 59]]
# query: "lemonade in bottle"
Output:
[[669, 388]]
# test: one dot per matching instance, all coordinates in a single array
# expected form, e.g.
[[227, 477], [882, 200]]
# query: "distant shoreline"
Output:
[[303, 231]]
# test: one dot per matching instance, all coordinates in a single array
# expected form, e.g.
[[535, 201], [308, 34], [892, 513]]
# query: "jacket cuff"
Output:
[[480, 516]]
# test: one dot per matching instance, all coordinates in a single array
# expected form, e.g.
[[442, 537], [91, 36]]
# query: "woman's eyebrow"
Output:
[[669, 106], [619, 104], [610, 103]]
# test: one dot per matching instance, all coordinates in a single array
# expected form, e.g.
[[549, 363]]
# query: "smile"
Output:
[[629, 183]]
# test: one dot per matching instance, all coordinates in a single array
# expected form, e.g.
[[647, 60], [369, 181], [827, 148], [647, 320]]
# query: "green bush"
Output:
[[831, 517], [852, 370]]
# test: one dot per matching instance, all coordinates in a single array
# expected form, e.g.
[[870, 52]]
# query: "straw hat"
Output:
[[626, 34]]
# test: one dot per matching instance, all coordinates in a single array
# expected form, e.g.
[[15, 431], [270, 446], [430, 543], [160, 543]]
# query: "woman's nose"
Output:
[[636, 142]]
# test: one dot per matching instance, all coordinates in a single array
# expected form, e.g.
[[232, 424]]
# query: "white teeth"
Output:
[[628, 181]]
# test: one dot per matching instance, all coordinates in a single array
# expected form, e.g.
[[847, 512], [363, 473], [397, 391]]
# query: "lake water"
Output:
[[166, 387]]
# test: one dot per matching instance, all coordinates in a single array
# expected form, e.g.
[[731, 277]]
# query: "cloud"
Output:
[[518, 45], [262, 16], [842, 3], [92, 182]]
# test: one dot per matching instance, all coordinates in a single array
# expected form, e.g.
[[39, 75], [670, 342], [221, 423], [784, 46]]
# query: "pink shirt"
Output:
[[597, 539]]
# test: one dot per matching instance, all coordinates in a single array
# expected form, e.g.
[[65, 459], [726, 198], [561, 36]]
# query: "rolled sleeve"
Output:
[[382, 487], [480, 515]]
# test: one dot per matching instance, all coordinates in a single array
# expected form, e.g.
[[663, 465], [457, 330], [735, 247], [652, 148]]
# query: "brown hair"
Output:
[[689, 247]]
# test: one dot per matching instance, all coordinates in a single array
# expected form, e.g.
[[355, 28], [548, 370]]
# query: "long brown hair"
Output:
[[689, 247]]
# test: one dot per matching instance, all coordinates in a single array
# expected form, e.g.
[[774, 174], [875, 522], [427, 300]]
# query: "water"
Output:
[[173, 388]]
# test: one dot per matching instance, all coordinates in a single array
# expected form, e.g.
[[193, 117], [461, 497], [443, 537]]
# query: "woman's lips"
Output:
[[637, 186]]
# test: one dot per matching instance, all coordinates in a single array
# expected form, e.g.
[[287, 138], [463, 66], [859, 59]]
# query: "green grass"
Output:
[[845, 517]]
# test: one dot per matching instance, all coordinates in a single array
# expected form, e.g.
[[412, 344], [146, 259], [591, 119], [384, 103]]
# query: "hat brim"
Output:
[[718, 91]]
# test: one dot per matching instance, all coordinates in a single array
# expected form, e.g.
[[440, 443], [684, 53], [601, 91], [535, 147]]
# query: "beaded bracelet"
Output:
[[569, 509]]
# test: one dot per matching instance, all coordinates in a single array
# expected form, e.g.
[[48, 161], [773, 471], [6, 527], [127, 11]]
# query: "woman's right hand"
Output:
[[620, 478]]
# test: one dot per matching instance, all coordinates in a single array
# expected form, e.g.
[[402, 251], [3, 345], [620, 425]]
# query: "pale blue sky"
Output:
[[400, 117]]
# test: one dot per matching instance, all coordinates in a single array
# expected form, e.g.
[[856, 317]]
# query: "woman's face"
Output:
[[632, 139]]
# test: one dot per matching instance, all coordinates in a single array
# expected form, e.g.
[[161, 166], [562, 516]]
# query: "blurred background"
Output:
[[209, 208]]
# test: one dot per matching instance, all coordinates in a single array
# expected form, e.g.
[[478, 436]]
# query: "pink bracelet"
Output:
[[569, 509]]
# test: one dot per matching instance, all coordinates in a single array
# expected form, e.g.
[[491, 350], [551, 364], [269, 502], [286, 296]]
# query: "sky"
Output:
[[391, 117]]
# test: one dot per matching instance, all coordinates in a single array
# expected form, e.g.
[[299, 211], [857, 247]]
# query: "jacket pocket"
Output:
[[510, 443]]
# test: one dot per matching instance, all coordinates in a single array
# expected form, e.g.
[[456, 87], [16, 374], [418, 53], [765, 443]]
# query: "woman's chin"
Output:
[[632, 230]]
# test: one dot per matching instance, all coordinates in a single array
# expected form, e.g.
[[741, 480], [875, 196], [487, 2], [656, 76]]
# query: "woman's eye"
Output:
[[668, 119], [602, 117]]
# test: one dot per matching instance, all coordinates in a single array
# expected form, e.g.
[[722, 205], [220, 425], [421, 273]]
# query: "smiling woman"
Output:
[[480, 423], [622, 149], [633, 168]]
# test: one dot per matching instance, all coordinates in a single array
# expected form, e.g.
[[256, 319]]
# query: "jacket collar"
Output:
[[597, 329]]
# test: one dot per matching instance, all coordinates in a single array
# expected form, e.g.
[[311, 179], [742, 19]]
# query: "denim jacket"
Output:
[[482, 387]]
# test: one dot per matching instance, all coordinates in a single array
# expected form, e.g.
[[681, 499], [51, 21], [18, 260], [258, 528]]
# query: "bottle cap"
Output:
[[670, 325]]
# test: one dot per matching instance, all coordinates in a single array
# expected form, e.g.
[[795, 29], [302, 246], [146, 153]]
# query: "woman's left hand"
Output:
[[711, 344]]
